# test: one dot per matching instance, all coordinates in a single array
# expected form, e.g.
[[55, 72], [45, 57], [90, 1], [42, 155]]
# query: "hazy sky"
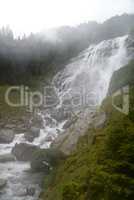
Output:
[[35, 15]]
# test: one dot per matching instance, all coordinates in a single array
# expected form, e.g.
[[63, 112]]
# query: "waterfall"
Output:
[[80, 86], [89, 74], [84, 82]]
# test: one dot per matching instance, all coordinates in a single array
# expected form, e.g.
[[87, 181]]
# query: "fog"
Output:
[[39, 53], [33, 16]]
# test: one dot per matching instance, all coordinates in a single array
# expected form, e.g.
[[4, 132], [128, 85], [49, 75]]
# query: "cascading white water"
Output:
[[89, 74], [81, 84]]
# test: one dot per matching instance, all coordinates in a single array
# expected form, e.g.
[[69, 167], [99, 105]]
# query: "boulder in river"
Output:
[[60, 114], [6, 136], [24, 151], [32, 134], [49, 138], [6, 158], [30, 191], [45, 159]]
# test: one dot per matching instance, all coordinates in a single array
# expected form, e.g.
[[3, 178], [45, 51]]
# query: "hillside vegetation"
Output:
[[103, 170]]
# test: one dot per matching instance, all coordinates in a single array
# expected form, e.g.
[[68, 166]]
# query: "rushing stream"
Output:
[[86, 75]]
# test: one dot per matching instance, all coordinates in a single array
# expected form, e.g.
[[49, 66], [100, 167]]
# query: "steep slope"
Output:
[[101, 168]]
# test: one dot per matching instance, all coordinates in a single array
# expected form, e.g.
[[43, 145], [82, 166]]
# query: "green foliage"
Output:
[[112, 177], [71, 191]]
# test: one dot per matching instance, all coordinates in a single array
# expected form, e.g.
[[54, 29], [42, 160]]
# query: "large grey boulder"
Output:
[[24, 152], [30, 191], [6, 158], [32, 134], [45, 159], [6, 136]]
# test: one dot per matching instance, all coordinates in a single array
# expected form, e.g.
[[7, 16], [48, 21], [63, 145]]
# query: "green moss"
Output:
[[51, 156]]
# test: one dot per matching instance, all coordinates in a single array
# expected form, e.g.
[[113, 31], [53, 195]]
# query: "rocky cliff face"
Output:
[[67, 141]]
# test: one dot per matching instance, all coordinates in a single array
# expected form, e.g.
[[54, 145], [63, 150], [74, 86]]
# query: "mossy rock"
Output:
[[45, 159]]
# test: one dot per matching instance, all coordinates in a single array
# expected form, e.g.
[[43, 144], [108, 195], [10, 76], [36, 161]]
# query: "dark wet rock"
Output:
[[6, 136], [2, 125], [129, 42], [30, 191], [3, 183], [50, 122], [49, 138], [32, 134], [20, 129], [69, 123], [21, 193], [10, 126], [24, 152], [44, 160], [60, 114], [37, 121], [6, 158]]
